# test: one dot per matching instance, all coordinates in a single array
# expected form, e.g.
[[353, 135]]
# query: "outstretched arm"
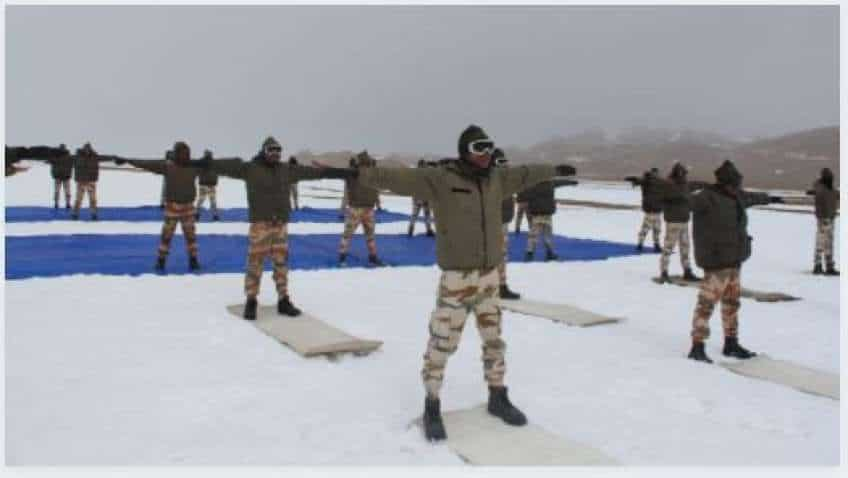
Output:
[[229, 167], [418, 182], [36, 152], [564, 182], [157, 166], [758, 199], [634, 180], [519, 178]]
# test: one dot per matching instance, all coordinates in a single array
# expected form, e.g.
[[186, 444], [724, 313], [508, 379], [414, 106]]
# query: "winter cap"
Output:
[[728, 175], [270, 142], [471, 133]]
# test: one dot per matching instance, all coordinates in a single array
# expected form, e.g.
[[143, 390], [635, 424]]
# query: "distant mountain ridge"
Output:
[[791, 161]]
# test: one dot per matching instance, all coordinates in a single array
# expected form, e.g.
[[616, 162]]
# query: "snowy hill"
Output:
[[150, 370]]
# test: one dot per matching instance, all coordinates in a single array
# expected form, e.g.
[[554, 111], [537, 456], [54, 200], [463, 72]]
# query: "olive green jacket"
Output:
[[466, 203], [268, 184]]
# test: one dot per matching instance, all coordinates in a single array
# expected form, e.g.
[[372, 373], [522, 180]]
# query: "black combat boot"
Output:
[[160, 264], [831, 270], [342, 259], [817, 269], [197, 216], [664, 279], [690, 276], [528, 256], [193, 264], [733, 349], [55, 204], [375, 261], [285, 307], [505, 293], [550, 255], [639, 247], [657, 248], [434, 429], [500, 406], [94, 216], [698, 353], [430, 233], [250, 308], [67, 206], [216, 217]]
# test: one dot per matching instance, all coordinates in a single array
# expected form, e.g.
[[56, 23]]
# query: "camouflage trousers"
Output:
[[460, 293], [718, 285], [182, 213], [675, 232], [505, 254], [540, 225], [417, 207], [824, 242], [295, 195], [58, 184], [652, 222], [355, 217], [267, 238], [520, 209], [204, 192], [83, 188]]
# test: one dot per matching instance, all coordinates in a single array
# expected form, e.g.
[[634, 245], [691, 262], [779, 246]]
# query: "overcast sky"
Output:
[[134, 79]]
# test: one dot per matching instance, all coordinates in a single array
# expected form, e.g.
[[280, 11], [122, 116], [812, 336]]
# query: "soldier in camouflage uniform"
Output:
[[60, 170], [267, 181], [180, 175], [419, 205], [722, 244], [651, 206], [676, 195], [467, 196], [521, 209], [86, 173], [827, 206], [541, 206], [208, 183], [361, 200]]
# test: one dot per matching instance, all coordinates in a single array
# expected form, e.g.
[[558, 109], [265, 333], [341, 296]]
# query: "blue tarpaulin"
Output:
[[134, 254], [154, 214]]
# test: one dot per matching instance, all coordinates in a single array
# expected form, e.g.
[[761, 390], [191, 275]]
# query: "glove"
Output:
[[565, 170], [776, 200]]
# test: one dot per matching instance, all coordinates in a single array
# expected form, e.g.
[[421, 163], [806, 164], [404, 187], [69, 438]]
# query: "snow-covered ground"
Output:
[[152, 370]]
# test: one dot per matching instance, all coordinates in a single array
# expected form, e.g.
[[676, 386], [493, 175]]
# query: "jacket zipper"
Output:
[[483, 222]]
